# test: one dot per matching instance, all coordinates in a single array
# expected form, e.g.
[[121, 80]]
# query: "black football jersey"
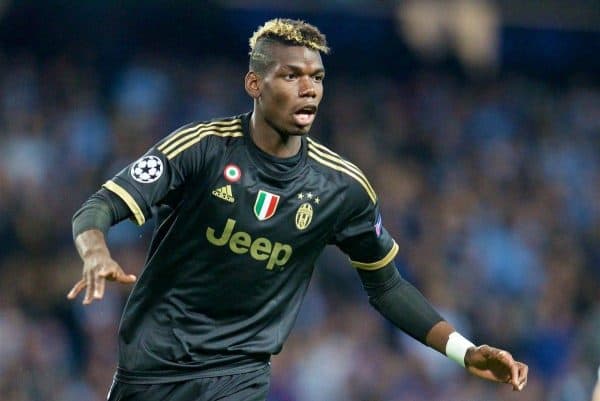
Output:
[[237, 234]]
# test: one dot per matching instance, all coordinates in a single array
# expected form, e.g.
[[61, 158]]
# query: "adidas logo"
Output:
[[224, 193]]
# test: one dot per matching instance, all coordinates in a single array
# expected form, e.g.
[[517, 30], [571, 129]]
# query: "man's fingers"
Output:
[[507, 359], [126, 278], [117, 274], [518, 371], [99, 283], [501, 366], [519, 379], [514, 376], [94, 281], [522, 380], [89, 291], [80, 285]]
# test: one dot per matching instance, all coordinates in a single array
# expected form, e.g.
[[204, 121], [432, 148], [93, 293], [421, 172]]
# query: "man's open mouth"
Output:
[[305, 115]]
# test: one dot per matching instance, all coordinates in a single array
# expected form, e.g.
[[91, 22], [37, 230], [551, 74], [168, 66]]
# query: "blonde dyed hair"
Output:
[[285, 31]]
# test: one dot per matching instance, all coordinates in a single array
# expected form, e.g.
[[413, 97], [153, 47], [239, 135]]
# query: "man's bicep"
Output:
[[363, 238], [371, 249]]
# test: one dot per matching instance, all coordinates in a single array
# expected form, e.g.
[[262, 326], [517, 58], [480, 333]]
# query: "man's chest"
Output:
[[247, 211]]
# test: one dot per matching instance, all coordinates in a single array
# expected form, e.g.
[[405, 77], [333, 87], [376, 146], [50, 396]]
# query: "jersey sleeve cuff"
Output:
[[128, 199], [379, 263]]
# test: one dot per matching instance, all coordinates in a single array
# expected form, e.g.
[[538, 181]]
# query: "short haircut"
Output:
[[285, 31]]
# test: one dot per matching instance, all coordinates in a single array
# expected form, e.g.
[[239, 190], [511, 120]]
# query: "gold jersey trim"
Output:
[[380, 263], [334, 161], [128, 199], [199, 138], [184, 139], [168, 141], [350, 165]]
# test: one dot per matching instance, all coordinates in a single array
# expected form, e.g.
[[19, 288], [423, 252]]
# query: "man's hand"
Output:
[[98, 267], [496, 365]]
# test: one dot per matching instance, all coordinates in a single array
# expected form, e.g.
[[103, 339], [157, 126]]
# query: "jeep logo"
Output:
[[261, 248]]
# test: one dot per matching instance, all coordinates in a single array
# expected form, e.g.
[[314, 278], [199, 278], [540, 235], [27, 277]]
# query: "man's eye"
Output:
[[319, 78], [290, 76]]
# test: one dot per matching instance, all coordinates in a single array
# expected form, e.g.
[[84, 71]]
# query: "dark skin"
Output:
[[292, 84], [286, 99]]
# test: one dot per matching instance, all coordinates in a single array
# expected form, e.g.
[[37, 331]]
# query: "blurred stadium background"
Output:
[[478, 123]]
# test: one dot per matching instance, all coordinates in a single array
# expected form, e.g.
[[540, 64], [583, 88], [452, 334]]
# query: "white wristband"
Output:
[[456, 348]]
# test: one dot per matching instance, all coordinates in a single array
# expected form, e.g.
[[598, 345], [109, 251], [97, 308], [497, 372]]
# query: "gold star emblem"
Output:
[[317, 200], [300, 196], [309, 195]]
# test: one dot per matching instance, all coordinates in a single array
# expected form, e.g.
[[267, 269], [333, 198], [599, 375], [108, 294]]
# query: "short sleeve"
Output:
[[361, 234], [162, 169]]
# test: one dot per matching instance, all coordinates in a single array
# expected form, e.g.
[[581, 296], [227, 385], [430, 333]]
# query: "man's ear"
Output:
[[252, 84]]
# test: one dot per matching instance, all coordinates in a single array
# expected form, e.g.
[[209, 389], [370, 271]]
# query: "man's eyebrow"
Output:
[[296, 68]]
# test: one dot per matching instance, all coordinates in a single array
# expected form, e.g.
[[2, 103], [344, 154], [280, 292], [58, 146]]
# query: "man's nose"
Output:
[[307, 87]]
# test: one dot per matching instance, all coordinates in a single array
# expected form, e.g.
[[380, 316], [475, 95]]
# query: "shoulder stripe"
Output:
[[169, 140], [339, 165], [380, 263], [332, 153], [184, 137], [342, 160], [344, 169], [184, 140], [199, 137], [128, 199]]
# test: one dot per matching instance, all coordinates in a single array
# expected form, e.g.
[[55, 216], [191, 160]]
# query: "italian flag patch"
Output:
[[265, 205]]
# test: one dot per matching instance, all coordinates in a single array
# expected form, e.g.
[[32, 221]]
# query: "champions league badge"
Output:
[[147, 169]]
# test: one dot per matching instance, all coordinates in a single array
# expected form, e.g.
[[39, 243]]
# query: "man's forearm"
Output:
[[91, 242], [101, 211], [403, 305], [437, 338], [90, 225]]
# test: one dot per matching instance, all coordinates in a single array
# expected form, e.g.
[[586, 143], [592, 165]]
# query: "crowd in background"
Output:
[[490, 188]]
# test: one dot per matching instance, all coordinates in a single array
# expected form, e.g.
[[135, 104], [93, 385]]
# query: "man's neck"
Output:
[[272, 142]]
